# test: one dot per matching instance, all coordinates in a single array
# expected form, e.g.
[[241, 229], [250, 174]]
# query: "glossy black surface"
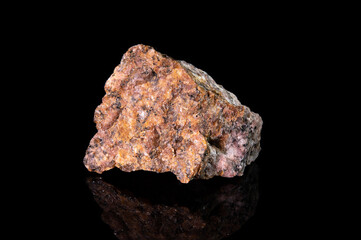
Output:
[[145, 205]]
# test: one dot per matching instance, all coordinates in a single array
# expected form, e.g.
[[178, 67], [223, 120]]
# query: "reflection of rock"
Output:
[[158, 207]]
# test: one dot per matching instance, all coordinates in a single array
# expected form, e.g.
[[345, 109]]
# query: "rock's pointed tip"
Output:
[[139, 46]]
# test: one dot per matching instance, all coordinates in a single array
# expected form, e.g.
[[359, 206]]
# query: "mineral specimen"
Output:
[[164, 115], [155, 207]]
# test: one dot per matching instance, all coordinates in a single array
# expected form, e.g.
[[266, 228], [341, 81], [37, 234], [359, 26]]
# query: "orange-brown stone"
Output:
[[163, 115]]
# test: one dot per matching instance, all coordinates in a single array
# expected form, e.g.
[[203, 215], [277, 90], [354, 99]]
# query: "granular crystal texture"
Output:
[[164, 115]]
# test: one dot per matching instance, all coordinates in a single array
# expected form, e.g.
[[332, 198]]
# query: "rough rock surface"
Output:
[[157, 207], [164, 115]]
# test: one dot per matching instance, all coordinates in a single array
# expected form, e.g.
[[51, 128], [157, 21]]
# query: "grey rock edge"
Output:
[[245, 145]]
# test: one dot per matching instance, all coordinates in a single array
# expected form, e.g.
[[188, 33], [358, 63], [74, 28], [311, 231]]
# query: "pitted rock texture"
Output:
[[164, 115]]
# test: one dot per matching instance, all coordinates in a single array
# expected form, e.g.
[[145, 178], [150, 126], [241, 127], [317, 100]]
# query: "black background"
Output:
[[291, 63], [268, 68]]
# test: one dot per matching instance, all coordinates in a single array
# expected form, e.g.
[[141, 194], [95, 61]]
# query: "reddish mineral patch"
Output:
[[164, 115]]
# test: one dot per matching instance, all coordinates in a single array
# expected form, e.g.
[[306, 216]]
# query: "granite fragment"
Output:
[[164, 115]]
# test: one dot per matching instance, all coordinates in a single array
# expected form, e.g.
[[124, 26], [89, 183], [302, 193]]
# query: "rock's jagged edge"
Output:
[[163, 115], [213, 153]]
